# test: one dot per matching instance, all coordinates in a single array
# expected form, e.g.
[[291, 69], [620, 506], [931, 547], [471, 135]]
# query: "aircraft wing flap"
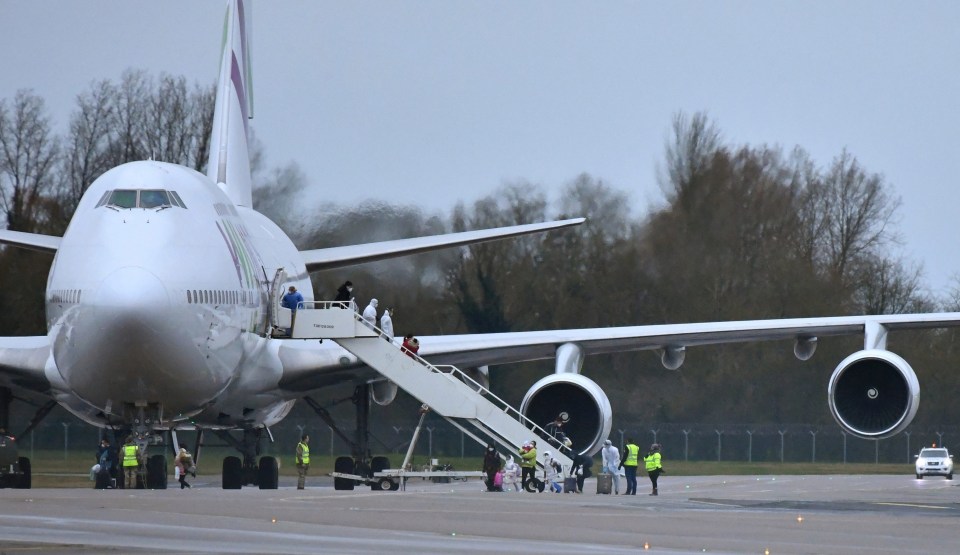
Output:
[[337, 257]]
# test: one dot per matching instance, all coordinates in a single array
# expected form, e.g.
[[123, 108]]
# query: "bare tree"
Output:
[[887, 286], [85, 148], [129, 116], [692, 146], [28, 153], [859, 214]]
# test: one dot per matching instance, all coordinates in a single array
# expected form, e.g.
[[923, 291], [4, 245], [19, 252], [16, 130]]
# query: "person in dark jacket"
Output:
[[491, 464], [345, 294], [581, 469]]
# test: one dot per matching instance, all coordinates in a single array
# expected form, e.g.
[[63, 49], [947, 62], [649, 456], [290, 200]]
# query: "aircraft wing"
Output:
[[310, 365], [499, 348], [22, 361], [336, 257], [32, 241]]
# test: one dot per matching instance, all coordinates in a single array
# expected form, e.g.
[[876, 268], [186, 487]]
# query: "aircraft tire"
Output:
[[535, 485], [268, 472], [344, 465], [232, 473], [157, 472], [378, 464], [26, 478]]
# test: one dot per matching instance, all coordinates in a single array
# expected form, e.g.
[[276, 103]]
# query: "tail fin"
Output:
[[229, 162]]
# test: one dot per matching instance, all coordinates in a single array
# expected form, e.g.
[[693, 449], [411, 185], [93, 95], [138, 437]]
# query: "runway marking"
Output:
[[912, 505], [713, 503]]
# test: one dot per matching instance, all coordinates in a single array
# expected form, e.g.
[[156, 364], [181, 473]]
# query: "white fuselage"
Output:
[[153, 304]]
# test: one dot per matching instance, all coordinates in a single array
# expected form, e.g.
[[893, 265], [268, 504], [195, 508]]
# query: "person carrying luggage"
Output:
[[611, 463]]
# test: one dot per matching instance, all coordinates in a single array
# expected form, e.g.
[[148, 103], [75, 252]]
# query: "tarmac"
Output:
[[702, 514]]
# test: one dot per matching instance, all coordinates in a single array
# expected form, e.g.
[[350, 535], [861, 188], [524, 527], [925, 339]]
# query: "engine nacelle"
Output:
[[873, 394], [383, 392], [581, 398]]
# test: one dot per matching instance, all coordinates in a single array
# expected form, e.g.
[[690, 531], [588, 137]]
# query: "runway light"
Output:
[[800, 519], [646, 545], [273, 520], [766, 551]]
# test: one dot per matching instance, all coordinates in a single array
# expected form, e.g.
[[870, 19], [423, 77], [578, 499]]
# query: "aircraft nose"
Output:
[[132, 301]]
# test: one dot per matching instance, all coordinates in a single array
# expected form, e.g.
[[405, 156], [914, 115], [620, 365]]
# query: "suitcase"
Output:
[[570, 484], [102, 480], [604, 483]]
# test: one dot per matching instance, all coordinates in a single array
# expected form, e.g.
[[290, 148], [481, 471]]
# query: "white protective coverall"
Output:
[[511, 475], [551, 474], [370, 314], [386, 324], [611, 460]]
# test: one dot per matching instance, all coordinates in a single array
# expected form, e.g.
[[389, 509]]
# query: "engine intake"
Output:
[[581, 398], [873, 394]]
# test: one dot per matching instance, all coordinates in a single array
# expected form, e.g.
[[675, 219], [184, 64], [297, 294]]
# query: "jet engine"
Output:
[[873, 394], [581, 398]]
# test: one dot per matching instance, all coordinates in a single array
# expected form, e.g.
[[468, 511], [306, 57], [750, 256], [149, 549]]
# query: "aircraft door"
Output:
[[279, 317]]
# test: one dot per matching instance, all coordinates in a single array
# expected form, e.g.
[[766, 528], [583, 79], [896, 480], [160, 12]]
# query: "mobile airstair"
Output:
[[447, 390]]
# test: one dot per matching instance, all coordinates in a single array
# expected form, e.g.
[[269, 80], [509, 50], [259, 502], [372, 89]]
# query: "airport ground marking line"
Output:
[[911, 505], [714, 503]]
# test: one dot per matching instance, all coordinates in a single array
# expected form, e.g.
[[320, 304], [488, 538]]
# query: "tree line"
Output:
[[741, 232]]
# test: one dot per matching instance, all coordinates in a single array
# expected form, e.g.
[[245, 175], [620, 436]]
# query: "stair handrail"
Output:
[[504, 405], [454, 371]]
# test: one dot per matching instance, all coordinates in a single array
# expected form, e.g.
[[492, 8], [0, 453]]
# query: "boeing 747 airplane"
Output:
[[161, 310]]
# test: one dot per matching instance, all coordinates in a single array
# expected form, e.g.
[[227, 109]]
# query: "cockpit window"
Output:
[[176, 199], [141, 198], [123, 198], [152, 198]]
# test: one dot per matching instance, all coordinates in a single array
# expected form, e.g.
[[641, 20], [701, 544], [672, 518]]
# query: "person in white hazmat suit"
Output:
[[370, 314], [611, 462], [386, 325], [552, 473], [511, 475]]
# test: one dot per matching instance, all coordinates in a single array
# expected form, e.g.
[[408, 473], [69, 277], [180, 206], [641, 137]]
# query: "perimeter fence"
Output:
[[687, 442]]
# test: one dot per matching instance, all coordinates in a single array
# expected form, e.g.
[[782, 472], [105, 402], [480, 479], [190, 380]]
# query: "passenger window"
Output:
[[124, 198], [153, 198]]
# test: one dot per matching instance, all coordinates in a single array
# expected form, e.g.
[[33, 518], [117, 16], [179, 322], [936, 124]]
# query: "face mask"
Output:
[[350, 289]]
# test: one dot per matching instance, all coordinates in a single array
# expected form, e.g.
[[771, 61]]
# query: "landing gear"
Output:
[[360, 463], [248, 472], [232, 473], [157, 472], [343, 465], [268, 474]]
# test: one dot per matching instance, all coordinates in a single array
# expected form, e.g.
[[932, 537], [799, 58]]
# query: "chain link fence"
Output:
[[687, 442]]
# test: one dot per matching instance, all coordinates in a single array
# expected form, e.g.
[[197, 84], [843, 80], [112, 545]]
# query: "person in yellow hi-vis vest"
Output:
[[131, 463], [629, 465], [303, 460], [652, 464]]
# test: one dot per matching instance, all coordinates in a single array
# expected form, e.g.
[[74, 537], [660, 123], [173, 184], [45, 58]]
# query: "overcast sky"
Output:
[[432, 102]]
